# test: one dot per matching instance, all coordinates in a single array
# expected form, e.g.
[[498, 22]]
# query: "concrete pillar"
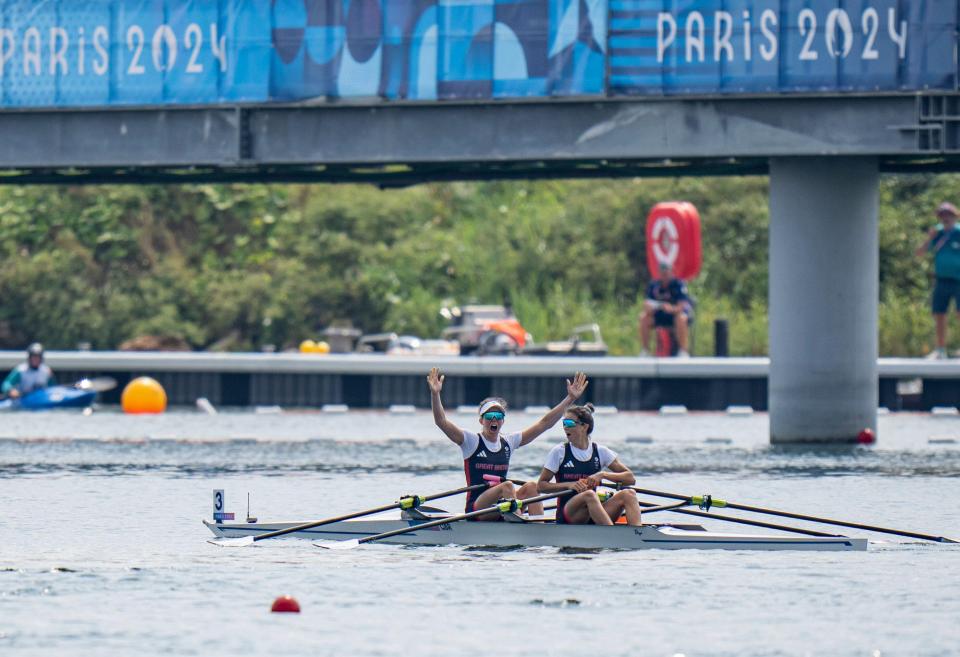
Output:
[[824, 270]]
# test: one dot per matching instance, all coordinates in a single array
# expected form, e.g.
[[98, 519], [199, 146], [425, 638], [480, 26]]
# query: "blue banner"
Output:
[[74, 53]]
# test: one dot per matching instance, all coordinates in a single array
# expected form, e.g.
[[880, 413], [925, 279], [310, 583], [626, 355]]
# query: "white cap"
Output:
[[491, 403]]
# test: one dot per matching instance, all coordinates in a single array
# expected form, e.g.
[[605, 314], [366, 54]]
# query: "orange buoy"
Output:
[[286, 603], [143, 395]]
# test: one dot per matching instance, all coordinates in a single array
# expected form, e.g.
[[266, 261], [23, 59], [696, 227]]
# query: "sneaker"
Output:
[[683, 354], [937, 354]]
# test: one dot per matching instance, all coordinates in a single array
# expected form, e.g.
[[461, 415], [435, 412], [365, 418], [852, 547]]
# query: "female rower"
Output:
[[581, 465], [488, 453]]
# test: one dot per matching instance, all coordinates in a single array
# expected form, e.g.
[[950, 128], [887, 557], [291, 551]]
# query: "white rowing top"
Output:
[[555, 456], [471, 440]]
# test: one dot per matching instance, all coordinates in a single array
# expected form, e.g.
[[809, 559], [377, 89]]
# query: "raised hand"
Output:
[[435, 380], [576, 387]]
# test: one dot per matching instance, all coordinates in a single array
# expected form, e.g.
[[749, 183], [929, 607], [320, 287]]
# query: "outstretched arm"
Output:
[[452, 431], [575, 388], [10, 382]]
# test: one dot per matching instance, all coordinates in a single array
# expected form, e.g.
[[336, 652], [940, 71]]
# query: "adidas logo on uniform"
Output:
[[569, 464], [482, 454]]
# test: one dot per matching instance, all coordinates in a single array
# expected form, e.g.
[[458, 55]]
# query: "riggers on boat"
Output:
[[516, 530], [422, 525], [526, 533]]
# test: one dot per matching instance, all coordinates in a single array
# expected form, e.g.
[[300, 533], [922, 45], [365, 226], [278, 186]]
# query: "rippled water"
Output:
[[102, 551]]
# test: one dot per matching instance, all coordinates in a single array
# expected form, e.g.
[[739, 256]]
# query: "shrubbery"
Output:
[[238, 267]]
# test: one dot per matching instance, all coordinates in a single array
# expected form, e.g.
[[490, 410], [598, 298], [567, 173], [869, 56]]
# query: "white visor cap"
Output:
[[492, 403]]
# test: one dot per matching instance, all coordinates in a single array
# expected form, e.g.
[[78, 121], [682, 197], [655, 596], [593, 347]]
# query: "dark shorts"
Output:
[[944, 290], [662, 318]]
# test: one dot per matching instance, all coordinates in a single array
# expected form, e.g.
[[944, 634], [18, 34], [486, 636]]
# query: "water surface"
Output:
[[102, 551]]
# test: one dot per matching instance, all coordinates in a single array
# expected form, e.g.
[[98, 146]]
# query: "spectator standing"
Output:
[[944, 242]]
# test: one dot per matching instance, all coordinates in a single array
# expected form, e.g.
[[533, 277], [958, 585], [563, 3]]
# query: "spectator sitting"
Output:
[[667, 305], [944, 241]]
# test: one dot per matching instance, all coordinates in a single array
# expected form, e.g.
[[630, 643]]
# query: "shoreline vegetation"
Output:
[[235, 267]]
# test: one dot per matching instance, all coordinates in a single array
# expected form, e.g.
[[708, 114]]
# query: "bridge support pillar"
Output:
[[824, 270]]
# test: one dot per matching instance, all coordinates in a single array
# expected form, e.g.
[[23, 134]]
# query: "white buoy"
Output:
[[204, 405], [463, 409], [334, 408], [944, 411], [605, 410], [403, 409], [267, 410], [719, 441], [673, 409], [883, 410], [536, 410], [739, 410]]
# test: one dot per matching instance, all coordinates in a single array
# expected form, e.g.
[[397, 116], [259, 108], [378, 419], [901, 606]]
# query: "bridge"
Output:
[[823, 96]]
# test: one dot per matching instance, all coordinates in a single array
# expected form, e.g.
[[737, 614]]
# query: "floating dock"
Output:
[[378, 381]]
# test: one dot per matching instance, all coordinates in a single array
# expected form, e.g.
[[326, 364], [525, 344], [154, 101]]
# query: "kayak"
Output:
[[50, 398]]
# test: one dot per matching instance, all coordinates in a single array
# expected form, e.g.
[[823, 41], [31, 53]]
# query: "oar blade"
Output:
[[242, 541], [97, 384], [338, 545]]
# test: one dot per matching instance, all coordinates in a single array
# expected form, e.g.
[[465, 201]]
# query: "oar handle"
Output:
[[506, 506]]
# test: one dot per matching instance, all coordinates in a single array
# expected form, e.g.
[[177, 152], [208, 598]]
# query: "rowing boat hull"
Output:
[[50, 398], [536, 534]]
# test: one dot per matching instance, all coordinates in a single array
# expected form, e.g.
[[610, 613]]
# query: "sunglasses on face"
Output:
[[492, 415], [569, 424]]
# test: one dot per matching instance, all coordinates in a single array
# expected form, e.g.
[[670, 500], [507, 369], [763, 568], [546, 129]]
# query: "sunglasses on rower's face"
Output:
[[569, 424], [492, 415]]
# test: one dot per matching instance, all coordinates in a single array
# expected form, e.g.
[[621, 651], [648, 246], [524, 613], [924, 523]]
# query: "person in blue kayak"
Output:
[[29, 376]]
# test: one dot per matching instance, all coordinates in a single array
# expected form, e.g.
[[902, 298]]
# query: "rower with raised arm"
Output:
[[582, 465], [488, 452]]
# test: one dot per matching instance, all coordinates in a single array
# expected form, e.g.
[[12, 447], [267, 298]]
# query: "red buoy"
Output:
[[866, 437], [286, 603]]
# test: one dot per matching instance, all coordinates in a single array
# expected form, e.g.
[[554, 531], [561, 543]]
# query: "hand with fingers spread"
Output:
[[576, 387], [435, 380]]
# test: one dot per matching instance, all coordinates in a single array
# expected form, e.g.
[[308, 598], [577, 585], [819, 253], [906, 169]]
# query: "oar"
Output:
[[505, 506], [408, 502], [97, 384], [800, 516], [647, 507], [664, 507]]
